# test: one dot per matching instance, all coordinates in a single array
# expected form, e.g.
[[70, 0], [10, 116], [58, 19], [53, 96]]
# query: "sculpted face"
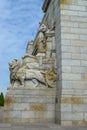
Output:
[[43, 28], [13, 63]]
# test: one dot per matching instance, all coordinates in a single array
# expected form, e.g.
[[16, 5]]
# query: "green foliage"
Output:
[[1, 99]]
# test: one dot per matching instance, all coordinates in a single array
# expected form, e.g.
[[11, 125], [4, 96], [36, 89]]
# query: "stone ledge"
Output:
[[25, 91]]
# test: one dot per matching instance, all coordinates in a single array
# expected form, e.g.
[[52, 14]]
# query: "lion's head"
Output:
[[14, 63]]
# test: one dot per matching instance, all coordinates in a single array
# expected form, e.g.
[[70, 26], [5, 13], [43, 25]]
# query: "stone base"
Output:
[[72, 108], [35, 105]]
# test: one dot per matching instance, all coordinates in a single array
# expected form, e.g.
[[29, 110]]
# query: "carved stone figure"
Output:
[[43, 34], [51, 78], [29, 70], [21, 72], [43, 28], [41, 43], [14, 65]]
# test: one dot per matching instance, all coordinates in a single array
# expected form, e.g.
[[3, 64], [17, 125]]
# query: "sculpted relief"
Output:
[[21, 72], [41, 40], [28, 70]]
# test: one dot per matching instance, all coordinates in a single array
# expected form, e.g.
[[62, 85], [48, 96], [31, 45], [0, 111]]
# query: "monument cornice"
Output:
[[45, 5]]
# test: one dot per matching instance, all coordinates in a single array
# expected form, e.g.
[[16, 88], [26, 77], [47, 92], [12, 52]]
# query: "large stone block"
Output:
[[70, 76], [71, 116], [79, 108], [70, 62], [30, 105]]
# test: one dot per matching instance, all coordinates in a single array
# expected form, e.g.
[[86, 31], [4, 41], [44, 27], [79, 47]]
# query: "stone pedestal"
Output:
[[35, 105]]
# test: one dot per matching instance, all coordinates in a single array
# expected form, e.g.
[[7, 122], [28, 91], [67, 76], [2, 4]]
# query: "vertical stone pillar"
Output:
[[71, 50]]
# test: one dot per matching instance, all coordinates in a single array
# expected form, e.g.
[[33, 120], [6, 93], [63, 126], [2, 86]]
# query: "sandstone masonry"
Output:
[[70, 19]]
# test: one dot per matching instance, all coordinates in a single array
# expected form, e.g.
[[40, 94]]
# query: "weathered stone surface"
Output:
[[30, 105]]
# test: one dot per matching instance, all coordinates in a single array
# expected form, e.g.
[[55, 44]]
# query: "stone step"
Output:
[[28, 91]]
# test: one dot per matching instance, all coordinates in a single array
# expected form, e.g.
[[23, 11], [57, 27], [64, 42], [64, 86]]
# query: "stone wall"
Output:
[[30, 105], [70, 18], [74, 59]]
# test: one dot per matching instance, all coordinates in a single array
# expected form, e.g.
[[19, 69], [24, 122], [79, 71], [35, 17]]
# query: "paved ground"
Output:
[[38, 127], [28, 127]]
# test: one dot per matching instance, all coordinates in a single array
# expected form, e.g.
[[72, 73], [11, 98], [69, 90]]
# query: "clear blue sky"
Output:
[[19, 20]]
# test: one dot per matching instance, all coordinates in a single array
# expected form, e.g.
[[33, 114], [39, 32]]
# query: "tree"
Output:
[[1, 99]]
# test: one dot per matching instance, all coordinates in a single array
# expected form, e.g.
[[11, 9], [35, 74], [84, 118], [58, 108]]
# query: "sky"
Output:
[[19, 21]]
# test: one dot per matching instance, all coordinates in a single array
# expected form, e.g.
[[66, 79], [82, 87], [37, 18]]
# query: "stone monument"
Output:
[[60, 46], [31, 96]]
